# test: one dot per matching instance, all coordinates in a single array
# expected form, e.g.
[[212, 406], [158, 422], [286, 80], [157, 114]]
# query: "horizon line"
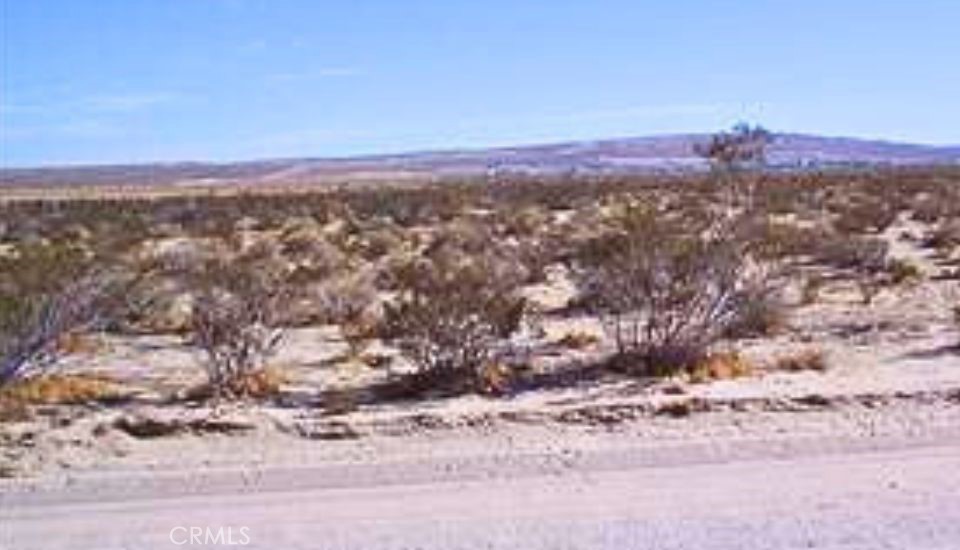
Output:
[[495, 146]]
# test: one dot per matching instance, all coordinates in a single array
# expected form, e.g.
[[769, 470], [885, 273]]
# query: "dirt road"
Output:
[[903, 496]]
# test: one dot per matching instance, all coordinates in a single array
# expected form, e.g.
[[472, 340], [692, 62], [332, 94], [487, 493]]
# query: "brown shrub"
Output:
[[668, 287], [452, 314], [762, 314], [32, 326], [861, 215], [865, 255], [235, 319]]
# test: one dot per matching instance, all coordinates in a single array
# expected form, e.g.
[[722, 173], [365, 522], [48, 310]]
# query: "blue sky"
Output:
[[135, 80]]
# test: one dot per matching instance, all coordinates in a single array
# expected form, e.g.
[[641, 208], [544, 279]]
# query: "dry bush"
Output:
[[861, 215], [238, 302], [762, 313], [452, 314], [861, 255], [668, 287], [47, 293], [778, 240], [345, 297]]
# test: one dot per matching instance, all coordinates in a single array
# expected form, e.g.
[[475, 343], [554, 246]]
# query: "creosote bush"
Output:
[[667, 287], [48, 292], [237, 304], [452, 315]]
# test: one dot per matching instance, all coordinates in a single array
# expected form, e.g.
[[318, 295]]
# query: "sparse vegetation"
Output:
[[453, 315], [49, 292], [235, 318], [672, 265], [668, 289]]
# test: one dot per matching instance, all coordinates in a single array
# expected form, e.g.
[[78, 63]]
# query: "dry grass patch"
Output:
[[260, 384], [806, 360], [62, 389], [721, 366]]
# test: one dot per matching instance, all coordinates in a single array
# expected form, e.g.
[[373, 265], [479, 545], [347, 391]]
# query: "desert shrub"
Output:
[[48, 291], [238, 301], [863, 255], [938, 203], [452, 314], [762, 313], [380, 241], [778, 240], [668, 287], [861, 215], [345, 297]]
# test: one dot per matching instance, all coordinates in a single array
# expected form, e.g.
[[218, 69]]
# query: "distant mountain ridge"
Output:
[[666, 153]]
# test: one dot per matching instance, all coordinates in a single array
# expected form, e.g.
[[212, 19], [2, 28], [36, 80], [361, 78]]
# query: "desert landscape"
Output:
[[507, 334]]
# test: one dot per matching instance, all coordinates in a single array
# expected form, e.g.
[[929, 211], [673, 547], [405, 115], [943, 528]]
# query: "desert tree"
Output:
[[732, 155], [741, 147]]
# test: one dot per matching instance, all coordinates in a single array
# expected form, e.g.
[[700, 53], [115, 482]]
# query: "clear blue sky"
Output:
[[89, 81]]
